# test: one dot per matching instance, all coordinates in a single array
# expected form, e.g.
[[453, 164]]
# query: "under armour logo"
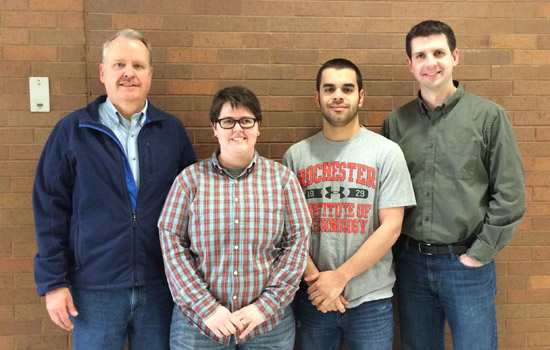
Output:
[[330, 192]]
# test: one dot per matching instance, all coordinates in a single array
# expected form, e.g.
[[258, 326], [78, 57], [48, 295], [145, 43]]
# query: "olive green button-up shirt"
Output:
[[466, 170]]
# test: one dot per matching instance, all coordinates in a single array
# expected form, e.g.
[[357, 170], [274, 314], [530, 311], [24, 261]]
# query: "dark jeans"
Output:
[[106, 317], [368, 326], [184, 336], [432, 289]]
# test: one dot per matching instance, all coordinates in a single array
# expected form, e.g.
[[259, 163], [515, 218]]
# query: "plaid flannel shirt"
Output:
[[234, 241]]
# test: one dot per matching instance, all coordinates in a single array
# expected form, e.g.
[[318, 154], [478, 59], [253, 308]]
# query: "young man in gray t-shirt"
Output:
[[357, 186]]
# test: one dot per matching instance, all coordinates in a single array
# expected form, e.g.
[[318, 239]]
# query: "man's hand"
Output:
[[337, 305], [59, 303], [220, 322], [325, 287], [466, 260], [247, 318]]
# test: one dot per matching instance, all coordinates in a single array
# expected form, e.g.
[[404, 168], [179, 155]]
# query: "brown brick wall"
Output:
[[275, 48]]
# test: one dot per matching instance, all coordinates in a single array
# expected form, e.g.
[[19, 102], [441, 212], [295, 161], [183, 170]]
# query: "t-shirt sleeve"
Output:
[[395, 186]]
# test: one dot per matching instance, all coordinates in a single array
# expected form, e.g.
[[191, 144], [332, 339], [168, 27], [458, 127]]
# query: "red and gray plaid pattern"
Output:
[[234, 242]]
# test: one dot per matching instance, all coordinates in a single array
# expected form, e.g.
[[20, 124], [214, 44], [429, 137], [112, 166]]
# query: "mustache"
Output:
[[128, 82]]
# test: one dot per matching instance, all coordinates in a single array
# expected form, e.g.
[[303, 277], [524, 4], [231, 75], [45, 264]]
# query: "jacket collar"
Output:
[[91, 112]]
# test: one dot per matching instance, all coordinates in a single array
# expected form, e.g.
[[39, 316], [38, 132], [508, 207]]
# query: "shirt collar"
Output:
[[449, 103], [116, 118], [248, 169]]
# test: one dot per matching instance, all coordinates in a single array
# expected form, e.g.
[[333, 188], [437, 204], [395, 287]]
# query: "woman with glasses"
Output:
[[234, 232]]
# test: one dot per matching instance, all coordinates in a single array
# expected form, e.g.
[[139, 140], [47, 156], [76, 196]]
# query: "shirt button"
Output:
[[234, 297], [236, 199], [427, 194], [431, 145], [426, 219], [237, 221], [235, 273], [236, 247], [131, 135], [134, 158]]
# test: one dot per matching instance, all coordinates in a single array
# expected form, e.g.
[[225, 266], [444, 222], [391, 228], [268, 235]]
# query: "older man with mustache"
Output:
[[99, 189]]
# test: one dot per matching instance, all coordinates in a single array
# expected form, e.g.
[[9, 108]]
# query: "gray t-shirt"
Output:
[[345, 184]]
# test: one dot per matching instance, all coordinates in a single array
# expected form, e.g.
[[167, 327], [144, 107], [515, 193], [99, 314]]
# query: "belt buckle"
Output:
[[422, 244]]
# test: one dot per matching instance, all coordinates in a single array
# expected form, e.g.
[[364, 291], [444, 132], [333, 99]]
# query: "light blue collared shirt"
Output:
[[126, 132]]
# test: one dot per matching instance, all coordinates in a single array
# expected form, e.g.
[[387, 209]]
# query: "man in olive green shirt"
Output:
[[469, 184]]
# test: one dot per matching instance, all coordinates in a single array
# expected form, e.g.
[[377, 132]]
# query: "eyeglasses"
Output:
[[229, 123]]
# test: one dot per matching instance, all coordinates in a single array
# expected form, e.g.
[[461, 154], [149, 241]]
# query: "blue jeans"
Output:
[[434, 288], [107, 317], [184, 336], [368, 326]]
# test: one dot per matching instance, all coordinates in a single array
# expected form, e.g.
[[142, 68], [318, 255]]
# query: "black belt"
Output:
[[458, 248]]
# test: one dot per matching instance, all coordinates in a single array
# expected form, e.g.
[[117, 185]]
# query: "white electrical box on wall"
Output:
[[39, 91]]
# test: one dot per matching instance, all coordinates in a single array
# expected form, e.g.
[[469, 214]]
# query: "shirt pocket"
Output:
[[265, 217], [460, 160]]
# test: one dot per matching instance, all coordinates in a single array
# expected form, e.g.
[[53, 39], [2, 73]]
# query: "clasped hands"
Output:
[[325, 291], [224, 323]]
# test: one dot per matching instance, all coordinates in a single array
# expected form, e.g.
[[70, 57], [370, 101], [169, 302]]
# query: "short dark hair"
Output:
[[237, 96], [428, 28], [340, 63]]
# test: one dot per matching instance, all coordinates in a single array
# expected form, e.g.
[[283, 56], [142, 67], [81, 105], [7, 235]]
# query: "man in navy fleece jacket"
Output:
[[99, 189]]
